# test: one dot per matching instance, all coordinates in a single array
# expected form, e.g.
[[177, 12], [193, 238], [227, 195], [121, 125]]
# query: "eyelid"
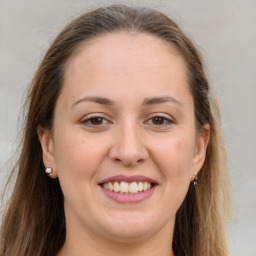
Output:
[[85, 120], [169, 119], [89, 117]]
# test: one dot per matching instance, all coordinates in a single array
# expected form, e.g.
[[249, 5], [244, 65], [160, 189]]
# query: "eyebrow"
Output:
[[99, 100], [158, 100], [147, 101]]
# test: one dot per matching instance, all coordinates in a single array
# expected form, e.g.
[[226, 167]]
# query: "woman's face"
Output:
[[125, 121]]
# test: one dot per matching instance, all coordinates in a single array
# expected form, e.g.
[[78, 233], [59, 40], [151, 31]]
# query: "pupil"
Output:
[[96, 120], [158, 120]]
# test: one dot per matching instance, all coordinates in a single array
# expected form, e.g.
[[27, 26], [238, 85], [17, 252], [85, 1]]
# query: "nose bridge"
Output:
[[129, 147]]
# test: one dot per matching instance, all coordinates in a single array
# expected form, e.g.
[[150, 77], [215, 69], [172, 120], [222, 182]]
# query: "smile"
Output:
[[127, 188]]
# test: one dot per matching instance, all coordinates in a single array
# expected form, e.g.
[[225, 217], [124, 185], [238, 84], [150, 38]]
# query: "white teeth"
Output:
[[145, 186], [125, 187], [110, 186], [105, 185], [140, 186], [134, 187], [116, 187]]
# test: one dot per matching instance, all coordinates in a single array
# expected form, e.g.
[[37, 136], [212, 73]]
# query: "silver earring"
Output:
[[195, 179], [48, 171]]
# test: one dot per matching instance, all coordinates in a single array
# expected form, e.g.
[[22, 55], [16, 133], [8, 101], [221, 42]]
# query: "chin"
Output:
[[130, 228], [128, 235]]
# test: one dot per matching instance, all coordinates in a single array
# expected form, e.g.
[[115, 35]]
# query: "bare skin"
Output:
[[125, 109]]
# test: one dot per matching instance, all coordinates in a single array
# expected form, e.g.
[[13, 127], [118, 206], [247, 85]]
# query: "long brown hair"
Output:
[[34, 223]]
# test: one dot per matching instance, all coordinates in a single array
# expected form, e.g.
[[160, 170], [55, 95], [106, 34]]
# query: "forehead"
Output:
[[125, 40], [112, 49], [121, 60]]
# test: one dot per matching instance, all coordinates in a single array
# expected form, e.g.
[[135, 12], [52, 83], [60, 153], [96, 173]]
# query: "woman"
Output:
[[121, 150]]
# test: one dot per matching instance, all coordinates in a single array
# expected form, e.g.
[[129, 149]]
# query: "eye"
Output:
[[159, 121], [95, 121]]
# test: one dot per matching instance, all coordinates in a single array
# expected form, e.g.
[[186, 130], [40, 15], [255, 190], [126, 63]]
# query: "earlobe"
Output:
[[46, 141], [202, 142]]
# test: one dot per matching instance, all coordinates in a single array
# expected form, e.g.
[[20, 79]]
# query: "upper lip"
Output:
[[128, 179]]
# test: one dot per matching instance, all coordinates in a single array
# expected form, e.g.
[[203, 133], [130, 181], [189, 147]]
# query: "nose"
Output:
[[128, 147]]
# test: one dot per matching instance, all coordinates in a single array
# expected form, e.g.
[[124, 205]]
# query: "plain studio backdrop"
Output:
[[225, 33]]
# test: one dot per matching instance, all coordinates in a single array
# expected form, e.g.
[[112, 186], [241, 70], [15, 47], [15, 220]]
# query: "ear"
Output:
[[202, 140], [46, 141]]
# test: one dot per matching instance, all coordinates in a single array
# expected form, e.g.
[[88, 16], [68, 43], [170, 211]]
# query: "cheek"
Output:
[[77, 160], [77, 155], [175, 157]]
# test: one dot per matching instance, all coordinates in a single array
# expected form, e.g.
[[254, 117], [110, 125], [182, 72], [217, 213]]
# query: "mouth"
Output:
[[128, 189], [124, 187]]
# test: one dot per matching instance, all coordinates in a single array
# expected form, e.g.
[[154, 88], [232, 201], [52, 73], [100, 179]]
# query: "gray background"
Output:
[[225, 32]]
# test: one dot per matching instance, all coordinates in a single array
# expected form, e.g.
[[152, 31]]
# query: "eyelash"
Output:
[[89, 120], [165, 119]]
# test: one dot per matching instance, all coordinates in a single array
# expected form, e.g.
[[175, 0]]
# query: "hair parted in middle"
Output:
[[34, 223]]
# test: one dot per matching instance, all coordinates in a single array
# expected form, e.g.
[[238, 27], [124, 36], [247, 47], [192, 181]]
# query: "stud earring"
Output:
[[49, 171], [195, 179]]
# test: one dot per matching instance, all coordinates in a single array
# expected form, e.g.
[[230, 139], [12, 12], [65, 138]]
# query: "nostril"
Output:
[[128, 152]]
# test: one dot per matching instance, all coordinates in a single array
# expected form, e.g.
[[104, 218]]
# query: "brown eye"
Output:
[[96, 120], [158, 120]]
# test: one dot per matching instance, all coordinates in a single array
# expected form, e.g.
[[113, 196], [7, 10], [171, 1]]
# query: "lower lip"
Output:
[[128, 198]]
